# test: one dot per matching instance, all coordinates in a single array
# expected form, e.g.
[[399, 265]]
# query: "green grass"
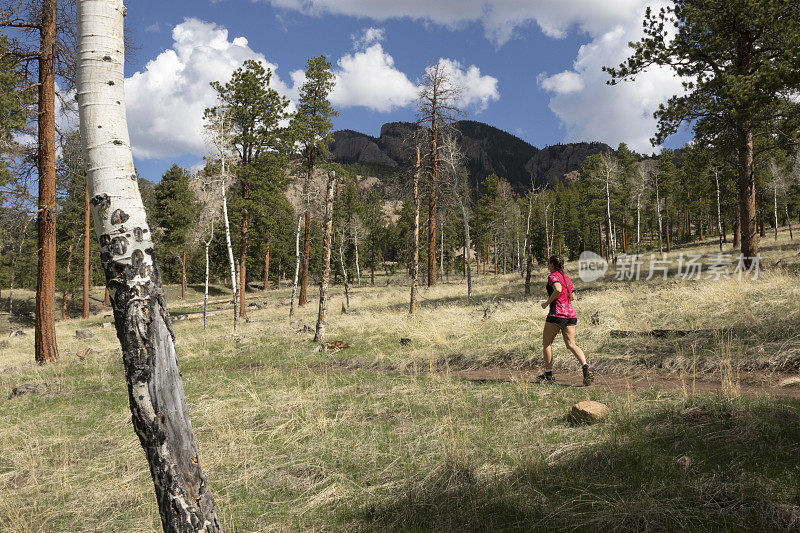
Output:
[[381, 437]]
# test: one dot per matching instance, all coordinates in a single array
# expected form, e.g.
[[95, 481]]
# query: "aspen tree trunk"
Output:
[[155, 391], [207, 244], [358, 267], [638, 223], [612, 247], [344, 271], [296, 267], [306, 253], [86, 252], [527, 235], [46, 349], [266, 268], [415, 252], [322, 318], [775, 196], [719, 211], [231, 260]]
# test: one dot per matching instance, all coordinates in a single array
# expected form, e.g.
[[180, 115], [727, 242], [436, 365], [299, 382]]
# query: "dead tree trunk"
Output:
[[183, 275], [719, 210], [415, 236], [155, 391], [344, 271], [243, 264], [322, 318], [306, 254], [46, 349]]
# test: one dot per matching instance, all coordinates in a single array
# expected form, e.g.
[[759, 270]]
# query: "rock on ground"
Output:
[[84, 334], [791, 382], [588, 412]]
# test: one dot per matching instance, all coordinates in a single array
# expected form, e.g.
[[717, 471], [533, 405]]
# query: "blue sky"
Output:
[[530, 68]]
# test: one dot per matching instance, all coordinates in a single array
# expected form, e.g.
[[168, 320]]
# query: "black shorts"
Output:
[[562, 322]]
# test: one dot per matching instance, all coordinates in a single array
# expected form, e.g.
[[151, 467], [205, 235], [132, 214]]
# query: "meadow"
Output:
[[445, 431]]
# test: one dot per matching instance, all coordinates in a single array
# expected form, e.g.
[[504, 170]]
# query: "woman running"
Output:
[[561, 318]]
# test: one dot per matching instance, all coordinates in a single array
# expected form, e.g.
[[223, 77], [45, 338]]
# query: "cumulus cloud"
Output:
[[500, 18], [589, 109], [166, 100], [562, 83], [477, 90], [370, 79]]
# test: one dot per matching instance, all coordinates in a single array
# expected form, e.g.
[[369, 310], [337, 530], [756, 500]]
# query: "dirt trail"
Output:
[[746, 383]]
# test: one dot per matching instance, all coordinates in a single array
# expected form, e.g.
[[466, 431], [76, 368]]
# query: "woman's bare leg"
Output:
[[569, 339], [548, 336]]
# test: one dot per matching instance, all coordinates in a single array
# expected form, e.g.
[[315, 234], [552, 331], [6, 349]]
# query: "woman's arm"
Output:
[[553, 296]]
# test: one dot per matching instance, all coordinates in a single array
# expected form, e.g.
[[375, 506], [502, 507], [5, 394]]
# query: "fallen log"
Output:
[[619, 333]]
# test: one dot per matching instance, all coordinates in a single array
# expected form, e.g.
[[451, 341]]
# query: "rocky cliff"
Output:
[[488, 149]]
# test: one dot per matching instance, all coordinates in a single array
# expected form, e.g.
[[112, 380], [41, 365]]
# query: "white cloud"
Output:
[[369, 78], [368, 37], [166, 100], [500, 18], [562, 83], [590, 109], [477, 90]]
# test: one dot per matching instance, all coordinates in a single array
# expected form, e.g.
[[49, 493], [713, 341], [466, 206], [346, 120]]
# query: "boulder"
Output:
[[84, 334], [107, 324], [790, 382], [18, 333], [588, 412]]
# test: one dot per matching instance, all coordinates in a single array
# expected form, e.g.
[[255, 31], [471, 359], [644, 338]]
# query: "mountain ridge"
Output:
[[488, 150]]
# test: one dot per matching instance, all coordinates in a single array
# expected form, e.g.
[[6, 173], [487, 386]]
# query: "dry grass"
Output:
[[291, 444]]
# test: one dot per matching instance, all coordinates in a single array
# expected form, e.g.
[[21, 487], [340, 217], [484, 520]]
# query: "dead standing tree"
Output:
[[319, 336], [436, 108], [415, 237], [155, 390], [456, 182]]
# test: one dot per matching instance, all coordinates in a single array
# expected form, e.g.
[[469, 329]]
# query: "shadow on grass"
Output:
[[743, 476]]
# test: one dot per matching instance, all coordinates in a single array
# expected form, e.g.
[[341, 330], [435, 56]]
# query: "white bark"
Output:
[[660, 228], [296, 265], [207, 244], [155, 391], [719, 209]]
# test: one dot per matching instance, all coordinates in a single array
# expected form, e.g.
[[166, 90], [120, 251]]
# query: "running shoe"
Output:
[[546, 377], [588, 375]]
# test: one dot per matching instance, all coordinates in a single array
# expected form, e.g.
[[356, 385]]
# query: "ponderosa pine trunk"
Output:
[[46, 348], [747, 196], [86, 251], [307, 231], [322, 317], [415, 237], [243, 262], [155, 391]]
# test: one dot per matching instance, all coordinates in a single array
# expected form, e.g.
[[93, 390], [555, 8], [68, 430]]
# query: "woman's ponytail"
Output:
[[558, 263]]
